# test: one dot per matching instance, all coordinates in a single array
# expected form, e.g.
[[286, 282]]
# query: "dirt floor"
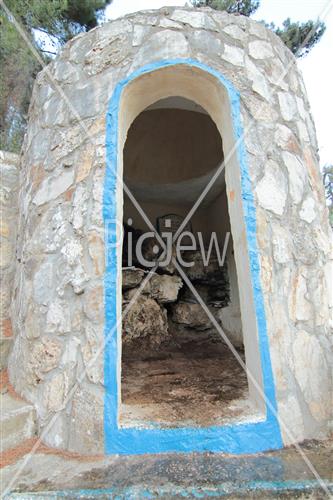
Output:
[[194, 380]]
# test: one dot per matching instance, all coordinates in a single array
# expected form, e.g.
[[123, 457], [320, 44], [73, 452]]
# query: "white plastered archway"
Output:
[[202, 88]]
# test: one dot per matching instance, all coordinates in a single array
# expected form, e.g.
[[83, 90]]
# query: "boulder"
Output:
[[170, 268], [212, 295], [191, 315], [145, 320], [132, 277], [211, 274], [165, 288], [186, 294]]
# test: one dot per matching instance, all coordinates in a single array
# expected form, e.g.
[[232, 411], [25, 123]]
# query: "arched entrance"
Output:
[[176, 369], [207, 89]]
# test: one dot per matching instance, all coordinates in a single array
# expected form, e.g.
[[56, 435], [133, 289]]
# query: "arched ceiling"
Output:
[[173, 149], [183, 193]]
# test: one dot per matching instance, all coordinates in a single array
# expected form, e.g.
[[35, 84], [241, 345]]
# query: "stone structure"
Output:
[[9, 174], [60, 291]]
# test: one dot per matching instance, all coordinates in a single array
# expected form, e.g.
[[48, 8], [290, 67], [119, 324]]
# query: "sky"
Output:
[[317, 67]]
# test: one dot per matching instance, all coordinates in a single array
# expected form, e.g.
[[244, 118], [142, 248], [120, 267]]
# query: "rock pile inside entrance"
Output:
[[154, 309]]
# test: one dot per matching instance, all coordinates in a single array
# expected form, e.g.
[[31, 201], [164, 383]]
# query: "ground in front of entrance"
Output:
[[279, 474]]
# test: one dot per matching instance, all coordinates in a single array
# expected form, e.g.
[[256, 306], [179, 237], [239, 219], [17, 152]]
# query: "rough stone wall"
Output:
[[58, 310], [9, 175]]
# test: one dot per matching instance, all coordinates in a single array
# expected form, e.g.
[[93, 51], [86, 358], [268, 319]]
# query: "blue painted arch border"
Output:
[[236, 438]]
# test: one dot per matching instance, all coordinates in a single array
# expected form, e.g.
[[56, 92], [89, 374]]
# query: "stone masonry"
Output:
[[57, 308], [9, 174]]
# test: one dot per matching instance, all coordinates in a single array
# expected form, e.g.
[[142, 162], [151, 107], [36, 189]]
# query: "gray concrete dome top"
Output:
[[58, 311]]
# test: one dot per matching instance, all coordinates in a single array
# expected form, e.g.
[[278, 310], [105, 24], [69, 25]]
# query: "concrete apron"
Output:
[[281, 474]]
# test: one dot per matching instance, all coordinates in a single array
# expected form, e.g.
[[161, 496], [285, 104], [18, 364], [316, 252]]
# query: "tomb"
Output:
[[157, 120]]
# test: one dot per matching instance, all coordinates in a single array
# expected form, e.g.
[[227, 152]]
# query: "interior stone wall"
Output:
[[207, 219], [215, 217], [58, 312]]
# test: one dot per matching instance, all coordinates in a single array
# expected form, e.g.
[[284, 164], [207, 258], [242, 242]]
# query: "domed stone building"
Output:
[[130, 123]]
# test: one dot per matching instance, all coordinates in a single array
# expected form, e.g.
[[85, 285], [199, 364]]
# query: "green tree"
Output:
[[18, 71], [298, 37], [244, 7], [58, 21]]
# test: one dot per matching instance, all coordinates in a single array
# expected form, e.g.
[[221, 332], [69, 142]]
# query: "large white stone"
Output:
[[308, 212], [139, 33], [259, 84], [43, 283], [301, 107], [79, 207], [145, 319], [43, 358], [276, 74], [78, 279], [234, 55], [195, 19], [56, 390], [96, 215], [281, 244], [259, 109], [58, 317], [272, 189], [260, 49], [166, 44], [311, 372], [72, 251], [92, 354], [296, 174], [206, 42], [283, 136], [291, 420], [287, 106], [87, 426], [52, 230], [235, 32], [168, 23], [52, 188], [258, 29], [111, 46], [303, 131], [69, 356], [164, 288], [311, 131], [320, 297]]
